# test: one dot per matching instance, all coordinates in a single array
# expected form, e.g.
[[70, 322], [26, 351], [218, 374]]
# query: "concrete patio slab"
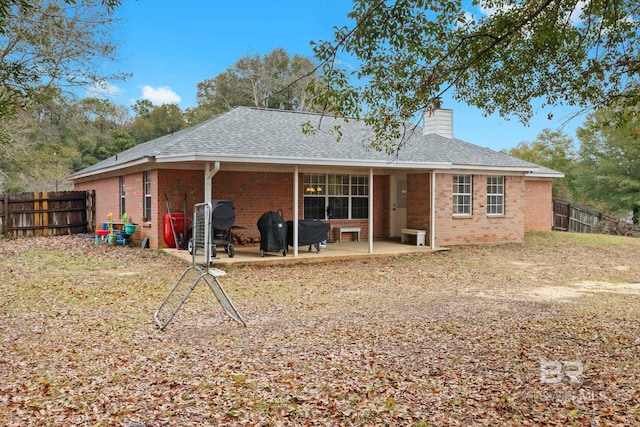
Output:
[[250, 254]]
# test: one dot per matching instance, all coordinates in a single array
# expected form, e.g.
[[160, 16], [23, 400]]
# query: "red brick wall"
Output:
[[108, 201], [419, 202], [538, 205], [182, 188], [107, 198], [527, 204], [479, 227], [253, 193], [381, 203]]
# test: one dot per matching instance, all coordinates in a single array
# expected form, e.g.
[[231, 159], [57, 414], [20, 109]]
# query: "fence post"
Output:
[[5, 203], [45, 213], [89, 210]]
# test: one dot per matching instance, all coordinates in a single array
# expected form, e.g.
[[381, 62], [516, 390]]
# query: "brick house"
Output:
[[261, 159]]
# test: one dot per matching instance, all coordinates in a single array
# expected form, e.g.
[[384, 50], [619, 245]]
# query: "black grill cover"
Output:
[[273, 232], [310, 232]]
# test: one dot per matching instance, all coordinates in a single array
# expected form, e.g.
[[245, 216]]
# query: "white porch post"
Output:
[[433, 209], [370, 210], [208, 176], [295, 212]]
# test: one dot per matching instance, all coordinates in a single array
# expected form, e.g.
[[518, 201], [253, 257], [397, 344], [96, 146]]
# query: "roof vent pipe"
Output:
[[438, 122]]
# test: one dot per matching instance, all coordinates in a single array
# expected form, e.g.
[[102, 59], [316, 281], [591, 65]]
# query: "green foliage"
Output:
[[555, 150], [274, 80], [56, 135], [409, 53], [155, 121], [47, 43], [142, 107], [610, 159]]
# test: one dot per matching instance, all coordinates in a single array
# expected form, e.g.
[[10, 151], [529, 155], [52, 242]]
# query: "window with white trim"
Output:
[[146, 180], [346, 196], [495, 195], [462, 194], [122, 197]]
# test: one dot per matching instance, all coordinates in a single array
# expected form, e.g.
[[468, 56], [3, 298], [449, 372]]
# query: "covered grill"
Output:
[[310, 232], [273, 233]]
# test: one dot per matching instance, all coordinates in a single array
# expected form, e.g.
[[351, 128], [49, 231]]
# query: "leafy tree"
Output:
[[143, 107], [57, 134], [498, 55], [120, 140], [99, 130], [52, 43], [275, 80], [301, 76], [555, 150], [33, 137], [610, 159], [155, 121]]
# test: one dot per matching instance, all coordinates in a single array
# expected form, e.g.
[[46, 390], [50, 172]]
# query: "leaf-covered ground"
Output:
[[543, 333]]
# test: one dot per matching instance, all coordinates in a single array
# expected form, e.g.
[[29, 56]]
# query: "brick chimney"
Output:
[[438, 122]]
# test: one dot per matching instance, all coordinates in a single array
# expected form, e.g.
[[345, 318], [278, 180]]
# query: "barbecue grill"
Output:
[[223, 216], [273, 233], [310, 232]]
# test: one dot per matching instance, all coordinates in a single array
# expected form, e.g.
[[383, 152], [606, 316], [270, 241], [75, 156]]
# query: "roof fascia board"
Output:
[[531, 172], [303, 161], [306, 161], [107, 169], [544, 175]]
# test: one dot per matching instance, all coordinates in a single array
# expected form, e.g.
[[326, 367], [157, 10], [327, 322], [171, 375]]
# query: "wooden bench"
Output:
[[421, 236], [339, 230]]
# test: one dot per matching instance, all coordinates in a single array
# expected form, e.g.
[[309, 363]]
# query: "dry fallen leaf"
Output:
[[454, 338]]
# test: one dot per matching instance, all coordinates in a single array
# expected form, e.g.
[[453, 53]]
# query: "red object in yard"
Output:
[[178, 225]]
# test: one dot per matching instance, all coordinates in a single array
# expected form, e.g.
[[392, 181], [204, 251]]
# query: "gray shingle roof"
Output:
[[276, 136]]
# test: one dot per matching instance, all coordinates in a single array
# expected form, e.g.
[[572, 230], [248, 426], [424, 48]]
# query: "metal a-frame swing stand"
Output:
[[202, 235]]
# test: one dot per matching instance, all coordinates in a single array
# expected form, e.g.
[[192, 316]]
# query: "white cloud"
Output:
[[104, 89], [160, 95]]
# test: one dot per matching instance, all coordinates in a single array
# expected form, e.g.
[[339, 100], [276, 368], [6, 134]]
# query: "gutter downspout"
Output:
[[295, 212], [433, 210], [208, 176]]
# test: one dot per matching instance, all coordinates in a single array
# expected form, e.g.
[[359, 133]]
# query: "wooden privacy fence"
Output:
[[569, 217], [46, 213]]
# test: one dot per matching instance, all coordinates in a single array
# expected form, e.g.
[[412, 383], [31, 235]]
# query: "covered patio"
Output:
[[348, 250]]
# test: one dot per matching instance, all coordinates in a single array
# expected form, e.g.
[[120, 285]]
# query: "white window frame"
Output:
[[462, 188], [146, 190], [328, 186], [495, 195], [123, 205]]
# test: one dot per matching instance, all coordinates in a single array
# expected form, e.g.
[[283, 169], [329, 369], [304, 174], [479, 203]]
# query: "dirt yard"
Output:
[[543, 333]]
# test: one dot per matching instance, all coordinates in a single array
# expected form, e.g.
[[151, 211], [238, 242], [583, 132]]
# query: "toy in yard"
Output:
[[202, 220]]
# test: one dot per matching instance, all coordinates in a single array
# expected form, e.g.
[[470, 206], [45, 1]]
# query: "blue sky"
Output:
[[170, 46]]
